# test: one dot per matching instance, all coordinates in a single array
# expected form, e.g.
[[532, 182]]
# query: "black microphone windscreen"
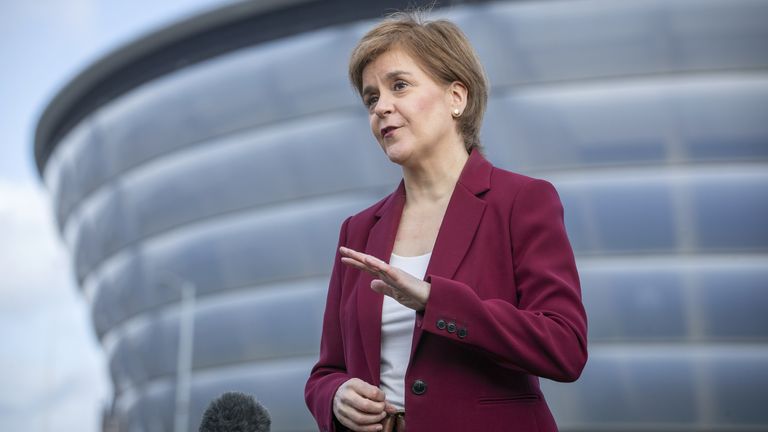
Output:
[[235, 412]]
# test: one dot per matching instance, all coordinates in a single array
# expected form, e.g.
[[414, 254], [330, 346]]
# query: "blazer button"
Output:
[[451, 327], [419, 387], [441, 324], [462, 333]]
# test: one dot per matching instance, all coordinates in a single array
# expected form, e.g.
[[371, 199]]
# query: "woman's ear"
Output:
[[458, 94]]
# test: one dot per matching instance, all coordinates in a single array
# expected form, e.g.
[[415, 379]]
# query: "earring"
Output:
[[456, 112]]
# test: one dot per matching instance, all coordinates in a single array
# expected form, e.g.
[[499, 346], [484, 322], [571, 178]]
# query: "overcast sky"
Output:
[[53, 374]]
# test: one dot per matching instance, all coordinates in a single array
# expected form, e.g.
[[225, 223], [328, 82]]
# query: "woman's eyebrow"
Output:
[[389, 76], [395, 74]]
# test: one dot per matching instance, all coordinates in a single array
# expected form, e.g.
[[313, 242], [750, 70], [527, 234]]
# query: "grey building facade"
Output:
[[222, 154]]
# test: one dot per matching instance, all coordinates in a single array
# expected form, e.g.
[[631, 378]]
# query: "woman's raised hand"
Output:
[[398, 284], [360, 406]]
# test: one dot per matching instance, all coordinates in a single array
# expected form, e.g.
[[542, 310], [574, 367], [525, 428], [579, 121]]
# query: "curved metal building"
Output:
[[221, 154]]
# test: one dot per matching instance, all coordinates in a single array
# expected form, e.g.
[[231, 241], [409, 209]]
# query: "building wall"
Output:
[[234, 174]]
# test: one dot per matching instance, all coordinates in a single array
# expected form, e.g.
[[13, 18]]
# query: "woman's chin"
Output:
[[397, 154]]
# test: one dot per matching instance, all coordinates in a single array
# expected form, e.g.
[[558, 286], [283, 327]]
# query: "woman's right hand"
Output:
[[360, 406]]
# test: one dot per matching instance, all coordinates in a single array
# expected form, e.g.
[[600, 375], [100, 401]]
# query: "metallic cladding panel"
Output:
[[235, 174]]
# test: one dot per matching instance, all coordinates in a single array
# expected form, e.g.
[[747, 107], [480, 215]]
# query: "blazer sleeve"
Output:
[[545, 334], [330, 371]]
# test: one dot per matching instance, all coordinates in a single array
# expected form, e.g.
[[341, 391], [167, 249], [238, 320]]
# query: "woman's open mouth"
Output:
[[388, 131]]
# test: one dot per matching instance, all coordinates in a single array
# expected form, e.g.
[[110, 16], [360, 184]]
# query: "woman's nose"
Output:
[[383, 106]]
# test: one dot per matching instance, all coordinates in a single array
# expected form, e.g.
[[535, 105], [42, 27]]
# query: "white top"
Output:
[[397, 333]]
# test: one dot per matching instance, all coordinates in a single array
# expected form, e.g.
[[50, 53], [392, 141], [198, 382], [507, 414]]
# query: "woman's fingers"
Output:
[[386, 289], [351, 253], [359, 405], [368, 263], [359, 420], [357, 264], [375, 263], [390, 409], [392, 281], [381, 287], [407, 299], [360, 261], [368, 391]]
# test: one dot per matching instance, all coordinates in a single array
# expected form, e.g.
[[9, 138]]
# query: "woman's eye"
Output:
[[371, 100], [399, 85]]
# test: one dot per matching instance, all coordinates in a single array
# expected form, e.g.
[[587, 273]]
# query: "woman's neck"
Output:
[[433, 179]]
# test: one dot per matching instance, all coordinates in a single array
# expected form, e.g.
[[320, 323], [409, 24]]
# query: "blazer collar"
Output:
[[475, 177], [460, 222], [462, 217]]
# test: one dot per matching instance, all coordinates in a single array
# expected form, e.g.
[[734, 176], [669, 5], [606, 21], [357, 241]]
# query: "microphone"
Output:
[[235, 412]]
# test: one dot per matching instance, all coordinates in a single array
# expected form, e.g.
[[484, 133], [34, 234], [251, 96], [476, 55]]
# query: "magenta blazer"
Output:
[[504, 309]]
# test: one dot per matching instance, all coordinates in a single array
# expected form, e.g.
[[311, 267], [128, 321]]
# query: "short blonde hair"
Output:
[[441, 49]]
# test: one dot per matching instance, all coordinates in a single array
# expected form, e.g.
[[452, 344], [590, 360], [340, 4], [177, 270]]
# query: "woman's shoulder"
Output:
[[511, 180], [481, 174], [509, 187]]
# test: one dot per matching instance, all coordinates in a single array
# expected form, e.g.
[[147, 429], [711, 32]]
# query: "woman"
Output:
[[451, 296]]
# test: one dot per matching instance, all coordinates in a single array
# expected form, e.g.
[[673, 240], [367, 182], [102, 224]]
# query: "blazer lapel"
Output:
[[462, 217], [460, 222], [369, 303]]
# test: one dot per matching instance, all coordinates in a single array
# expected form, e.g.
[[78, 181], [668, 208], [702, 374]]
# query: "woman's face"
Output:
[[409, 113]]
